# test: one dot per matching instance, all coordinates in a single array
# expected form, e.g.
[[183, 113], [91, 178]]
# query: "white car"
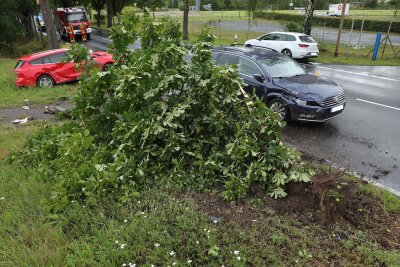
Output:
[[292, 44]]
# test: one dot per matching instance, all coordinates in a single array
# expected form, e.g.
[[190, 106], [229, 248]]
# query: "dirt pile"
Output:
[[329, 199]]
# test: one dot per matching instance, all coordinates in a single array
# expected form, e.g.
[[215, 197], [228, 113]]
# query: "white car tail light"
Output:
[[303, 45]]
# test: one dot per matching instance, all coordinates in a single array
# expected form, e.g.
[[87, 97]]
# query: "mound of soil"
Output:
[[328, 199]]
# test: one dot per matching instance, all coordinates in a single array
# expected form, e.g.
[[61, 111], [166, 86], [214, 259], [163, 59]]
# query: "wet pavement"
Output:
[[366, 137]]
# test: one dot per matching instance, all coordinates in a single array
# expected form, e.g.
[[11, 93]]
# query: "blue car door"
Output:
[[252, 76], [249, 72]]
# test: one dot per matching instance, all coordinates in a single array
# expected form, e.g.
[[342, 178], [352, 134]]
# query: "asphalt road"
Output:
[[328, 34], [366, 137]]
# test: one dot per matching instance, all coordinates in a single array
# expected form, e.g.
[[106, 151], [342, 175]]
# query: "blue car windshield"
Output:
[[281, 66]]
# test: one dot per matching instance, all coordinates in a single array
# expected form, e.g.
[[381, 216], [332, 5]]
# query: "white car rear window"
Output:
[[306, 39]]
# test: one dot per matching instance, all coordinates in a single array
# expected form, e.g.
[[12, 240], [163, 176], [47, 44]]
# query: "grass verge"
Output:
[[166, 227]]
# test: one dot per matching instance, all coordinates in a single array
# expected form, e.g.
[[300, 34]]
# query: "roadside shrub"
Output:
[[156, 120], [292, 27], [369, 25]]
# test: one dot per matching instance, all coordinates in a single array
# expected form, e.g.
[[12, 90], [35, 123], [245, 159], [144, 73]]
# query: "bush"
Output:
[[369, 25], [293, 27], [156, 120]]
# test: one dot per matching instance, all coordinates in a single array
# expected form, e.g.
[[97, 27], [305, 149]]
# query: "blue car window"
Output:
[[227, 59], [248, 67], [281, 66]]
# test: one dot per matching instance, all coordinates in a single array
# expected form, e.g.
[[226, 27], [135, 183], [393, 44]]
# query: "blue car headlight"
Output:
[[300, 101]]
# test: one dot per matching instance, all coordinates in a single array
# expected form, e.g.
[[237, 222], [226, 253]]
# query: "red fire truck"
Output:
[[73, 16]]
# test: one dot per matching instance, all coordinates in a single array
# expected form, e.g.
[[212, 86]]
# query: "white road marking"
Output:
[[360, 74], [374, 103], [107, 39]]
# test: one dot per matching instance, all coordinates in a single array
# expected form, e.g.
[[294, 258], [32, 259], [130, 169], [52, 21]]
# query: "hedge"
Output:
[[369, 25]]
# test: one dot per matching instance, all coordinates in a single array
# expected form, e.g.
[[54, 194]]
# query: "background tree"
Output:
[[308, 16], [109, 13], [251, 9], [10, 24], [27, 9], [185, 20], [49, 24], [98, 6]]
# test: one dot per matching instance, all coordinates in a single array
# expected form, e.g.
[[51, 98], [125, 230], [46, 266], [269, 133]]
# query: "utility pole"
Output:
[[49, 24], [340, 28]]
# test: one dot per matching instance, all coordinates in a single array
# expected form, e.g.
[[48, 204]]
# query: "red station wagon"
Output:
[[45, 69]]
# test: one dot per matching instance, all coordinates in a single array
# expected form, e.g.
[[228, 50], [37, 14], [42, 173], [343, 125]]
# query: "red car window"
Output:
[[37, 61], [57, 58]]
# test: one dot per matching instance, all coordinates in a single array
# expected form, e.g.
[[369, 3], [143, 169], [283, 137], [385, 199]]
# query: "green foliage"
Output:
[[390, 201], [156, 120], [293, 27], [10, 25], [369, 25]]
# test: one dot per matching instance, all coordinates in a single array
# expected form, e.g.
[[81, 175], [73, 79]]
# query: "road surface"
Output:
[[366, 137]]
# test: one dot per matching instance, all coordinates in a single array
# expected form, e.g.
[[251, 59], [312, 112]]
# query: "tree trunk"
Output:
[[98, 19], [109, 14], [49, 24], [185, 19], [309, 15], [30, 27]]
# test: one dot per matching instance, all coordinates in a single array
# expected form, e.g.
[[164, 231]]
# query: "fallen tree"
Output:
[[154, 119]]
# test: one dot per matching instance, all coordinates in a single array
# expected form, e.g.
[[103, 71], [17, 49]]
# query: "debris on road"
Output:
[[22, 121], [55, 110]]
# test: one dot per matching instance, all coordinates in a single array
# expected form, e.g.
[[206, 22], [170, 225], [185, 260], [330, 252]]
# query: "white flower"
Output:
[[172, 253], [83, 206], [236, 252], [132, 265], [152, 265], [238, 258], [123, 265], [125, 221], [197, 242], [174, 263], [116, 242], [83, 189], [189, 261], [156, 245], [122, 246], [205, 229]]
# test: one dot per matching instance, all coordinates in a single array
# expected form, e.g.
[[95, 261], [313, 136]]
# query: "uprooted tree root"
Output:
[[326, 200]]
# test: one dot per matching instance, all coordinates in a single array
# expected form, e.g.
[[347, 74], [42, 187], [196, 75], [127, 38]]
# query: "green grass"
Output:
[[158, 223], [390, 201], [12, 137], [354, 57], [371, 14], [25, 48], [12, 96]]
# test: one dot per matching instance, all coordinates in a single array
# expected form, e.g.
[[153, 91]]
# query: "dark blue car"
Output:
[[283, 84]]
